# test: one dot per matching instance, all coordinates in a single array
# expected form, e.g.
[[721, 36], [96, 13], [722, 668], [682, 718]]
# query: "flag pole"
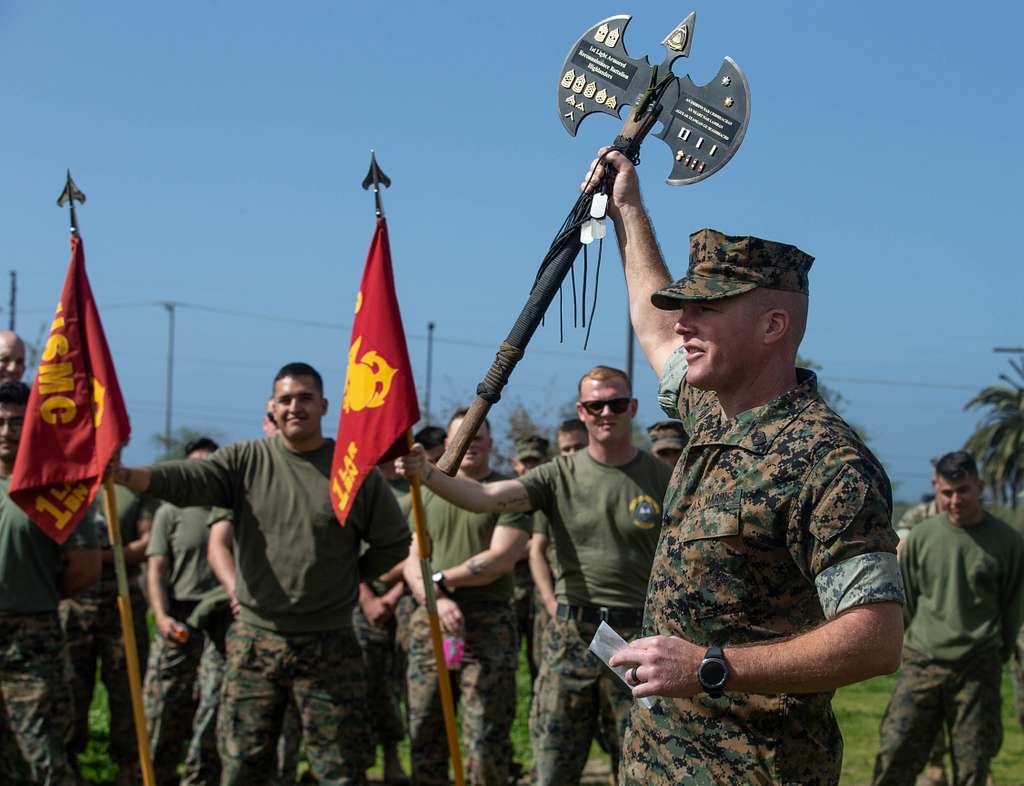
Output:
[[69, 196], [124, 608], [444, 683], [374, 179]]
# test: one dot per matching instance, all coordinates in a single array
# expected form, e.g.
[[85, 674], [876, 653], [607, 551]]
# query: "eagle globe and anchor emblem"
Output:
[[369, 376]]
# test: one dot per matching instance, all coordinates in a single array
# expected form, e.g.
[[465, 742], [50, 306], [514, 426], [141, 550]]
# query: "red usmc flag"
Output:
[[75, 419], [379, 405]]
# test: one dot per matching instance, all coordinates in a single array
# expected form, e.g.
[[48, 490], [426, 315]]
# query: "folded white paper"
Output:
[[605, 644]]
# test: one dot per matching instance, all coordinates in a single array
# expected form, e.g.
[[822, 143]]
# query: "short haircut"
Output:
[[200, 443], [604, 374], [570, 425], [300, 370], [956, 466], [461, 413], [431, 437], [14, 393]]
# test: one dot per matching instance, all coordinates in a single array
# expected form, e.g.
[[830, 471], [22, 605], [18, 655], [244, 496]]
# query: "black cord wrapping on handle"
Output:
[[497, 375]]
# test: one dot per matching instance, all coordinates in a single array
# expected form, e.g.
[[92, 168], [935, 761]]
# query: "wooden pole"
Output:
[[124, 607], [444, 683]]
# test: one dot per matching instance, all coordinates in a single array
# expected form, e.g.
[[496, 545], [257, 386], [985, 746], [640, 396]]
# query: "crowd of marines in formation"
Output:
[[749, 559]]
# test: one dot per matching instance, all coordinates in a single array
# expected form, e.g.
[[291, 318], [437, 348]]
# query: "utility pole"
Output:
[[430, 366], [169, 396], [14, 299]]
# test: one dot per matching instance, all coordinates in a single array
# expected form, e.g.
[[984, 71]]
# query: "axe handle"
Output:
[[457, 447], [557, 265]]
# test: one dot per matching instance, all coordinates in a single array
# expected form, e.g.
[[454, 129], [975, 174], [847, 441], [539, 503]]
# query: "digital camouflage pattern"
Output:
[[92, 629], [727, 265], [484, 689], [666, 434], [170, 700], [382, 692], [202, 762], [576, 697], [35, 702], [1017, 672], [524, 605], [759, 507], [323, 673], [964, 697]]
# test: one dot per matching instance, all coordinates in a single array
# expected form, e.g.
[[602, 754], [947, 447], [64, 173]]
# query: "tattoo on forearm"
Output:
[[476, 565], [517, 499]]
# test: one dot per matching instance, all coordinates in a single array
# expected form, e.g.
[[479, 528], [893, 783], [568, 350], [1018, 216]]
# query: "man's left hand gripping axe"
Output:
[[703, 125]]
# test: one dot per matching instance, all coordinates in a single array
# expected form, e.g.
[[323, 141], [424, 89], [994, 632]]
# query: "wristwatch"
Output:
[[713, 672], [438, 578]]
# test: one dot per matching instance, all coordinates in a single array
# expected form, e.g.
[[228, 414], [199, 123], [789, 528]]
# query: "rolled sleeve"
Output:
[[671, 381], [858, 581]]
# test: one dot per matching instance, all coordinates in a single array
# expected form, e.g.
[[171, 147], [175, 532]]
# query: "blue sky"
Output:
[[221, 146]]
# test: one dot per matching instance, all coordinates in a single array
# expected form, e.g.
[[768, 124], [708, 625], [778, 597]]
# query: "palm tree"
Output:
[[998, 443]]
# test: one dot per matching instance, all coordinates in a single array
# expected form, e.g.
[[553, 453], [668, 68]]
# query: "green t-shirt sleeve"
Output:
[[1013, 591], [541, 525], [205, 482], [220, 514], [381, 525], [520, 521], [160, 536], [540, 485]]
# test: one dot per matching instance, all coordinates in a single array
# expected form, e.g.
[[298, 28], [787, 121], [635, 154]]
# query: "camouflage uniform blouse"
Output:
[[775, 521]]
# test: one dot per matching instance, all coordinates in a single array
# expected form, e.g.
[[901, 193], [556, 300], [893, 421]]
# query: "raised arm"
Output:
[[503, 496], [642, 262]]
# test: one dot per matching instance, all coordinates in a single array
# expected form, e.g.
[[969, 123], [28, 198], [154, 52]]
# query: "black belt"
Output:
[[595, 615]]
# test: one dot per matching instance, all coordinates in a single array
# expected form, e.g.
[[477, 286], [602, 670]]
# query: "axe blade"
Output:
[[704, 126], [598, 75]]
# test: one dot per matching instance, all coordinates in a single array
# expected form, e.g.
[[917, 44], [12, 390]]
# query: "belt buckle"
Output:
[[604, 613]]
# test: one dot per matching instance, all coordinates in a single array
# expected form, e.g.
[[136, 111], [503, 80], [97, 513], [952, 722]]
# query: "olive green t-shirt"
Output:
[[604, 521], [31, 561], [181, 534], [298, 569], [964, 588], [456, 535], [131, 509]]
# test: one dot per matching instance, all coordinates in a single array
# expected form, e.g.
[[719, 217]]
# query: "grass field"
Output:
[[859, 708]]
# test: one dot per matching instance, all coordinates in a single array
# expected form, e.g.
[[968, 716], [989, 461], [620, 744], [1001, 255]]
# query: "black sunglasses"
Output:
[[616, 405]]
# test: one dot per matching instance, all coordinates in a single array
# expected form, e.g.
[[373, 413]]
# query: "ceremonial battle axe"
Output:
[[703, 126]]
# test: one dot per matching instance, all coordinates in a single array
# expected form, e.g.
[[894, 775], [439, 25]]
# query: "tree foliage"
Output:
[[998, 442]]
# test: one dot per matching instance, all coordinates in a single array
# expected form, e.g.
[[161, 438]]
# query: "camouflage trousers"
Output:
[[524, 604], [92, 628], [171, 694], [35, 702], [202, 761], [575, 696], [484, 689], [403, 625], [541, 618], [323, 673], [383, 693], [963, 696]]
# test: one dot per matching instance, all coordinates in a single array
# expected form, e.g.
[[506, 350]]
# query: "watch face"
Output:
[[712, 673]]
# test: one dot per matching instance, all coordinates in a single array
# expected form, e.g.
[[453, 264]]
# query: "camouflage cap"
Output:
[[667, 434], [532, 447], [727, 265]]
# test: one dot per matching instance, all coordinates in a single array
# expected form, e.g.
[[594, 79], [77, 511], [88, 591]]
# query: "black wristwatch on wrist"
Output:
[[438, 578], [713, 672]]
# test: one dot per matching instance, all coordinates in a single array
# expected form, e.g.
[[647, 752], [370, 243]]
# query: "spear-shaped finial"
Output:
[[68, 197], [376, 178]]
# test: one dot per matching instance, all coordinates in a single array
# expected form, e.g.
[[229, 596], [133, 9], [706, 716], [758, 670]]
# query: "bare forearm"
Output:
[[222, 563], [480, 569], [394, 574], [541, 572], [156, 581], [502, 497], [861, 643]]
